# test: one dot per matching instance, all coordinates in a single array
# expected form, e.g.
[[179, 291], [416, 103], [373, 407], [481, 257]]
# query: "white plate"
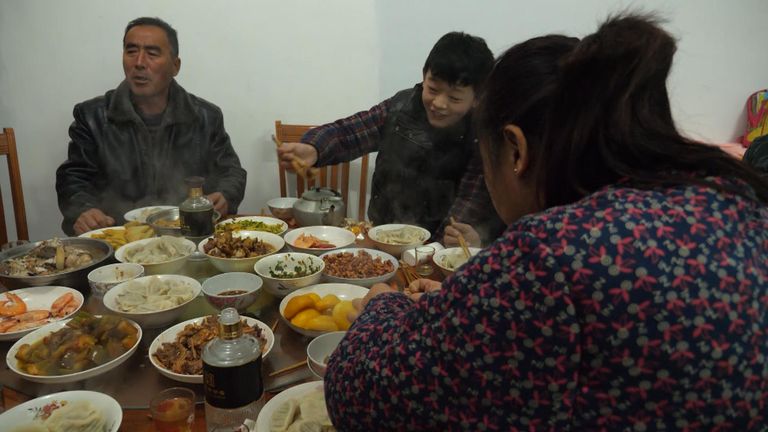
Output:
[[396, 250], [10, 358], [90, 234], [170, 335], [339, 237], [263, 420], [40, 298], [141, 214], [341, 290], [263, 219], [24, 414]]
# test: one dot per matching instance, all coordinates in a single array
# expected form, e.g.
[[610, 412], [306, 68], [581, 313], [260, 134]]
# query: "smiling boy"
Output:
[[427, 168]]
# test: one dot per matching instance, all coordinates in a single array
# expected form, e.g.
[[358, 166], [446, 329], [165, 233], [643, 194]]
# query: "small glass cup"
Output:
[[173, 410], [424, 255]]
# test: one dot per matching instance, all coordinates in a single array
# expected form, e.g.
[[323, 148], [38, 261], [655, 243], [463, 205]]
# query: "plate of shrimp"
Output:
[[24, 310]]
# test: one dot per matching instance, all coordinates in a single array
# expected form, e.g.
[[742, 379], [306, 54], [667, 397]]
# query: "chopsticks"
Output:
[[299, 165], [462, 242], [289, 368], [409, 273]]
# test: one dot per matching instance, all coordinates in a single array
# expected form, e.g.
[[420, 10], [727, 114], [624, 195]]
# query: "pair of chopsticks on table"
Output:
[[462, 242], [299, 165], [409, 272]]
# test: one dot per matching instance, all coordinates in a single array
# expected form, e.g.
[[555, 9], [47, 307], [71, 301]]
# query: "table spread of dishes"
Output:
[[135, 272]]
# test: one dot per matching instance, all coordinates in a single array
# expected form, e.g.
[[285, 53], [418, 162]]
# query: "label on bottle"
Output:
[[233, 387], [196, 223]]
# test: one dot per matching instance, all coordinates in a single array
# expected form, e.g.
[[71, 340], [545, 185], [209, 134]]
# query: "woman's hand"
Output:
[[421, 286], [451, 237], [375, 290]]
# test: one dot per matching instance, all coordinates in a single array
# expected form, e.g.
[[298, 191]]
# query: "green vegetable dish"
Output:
[[291, 268], [250, 225]]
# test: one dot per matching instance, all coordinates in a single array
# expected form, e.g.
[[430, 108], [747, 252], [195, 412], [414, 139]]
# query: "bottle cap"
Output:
[[229, 324]]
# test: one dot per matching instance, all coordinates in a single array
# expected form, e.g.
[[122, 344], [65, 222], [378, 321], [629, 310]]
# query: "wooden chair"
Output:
[[333, 176], [8, 148]]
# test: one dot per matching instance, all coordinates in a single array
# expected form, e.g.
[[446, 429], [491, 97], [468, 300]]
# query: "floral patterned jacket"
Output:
[[628, 310]]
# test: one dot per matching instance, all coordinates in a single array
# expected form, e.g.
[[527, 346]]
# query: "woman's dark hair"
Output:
[[519, 90], [460, 59], [170, 32], [611, 119]]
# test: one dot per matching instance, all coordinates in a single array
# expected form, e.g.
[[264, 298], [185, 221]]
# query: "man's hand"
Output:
[[220, 203], [288, 153], [92, 219], [451, 237]]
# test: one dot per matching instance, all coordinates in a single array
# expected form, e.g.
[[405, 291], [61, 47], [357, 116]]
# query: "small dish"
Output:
[[249, 283], [142, 213], [320, 348], [338, 237], [282, 208], [105, 278]]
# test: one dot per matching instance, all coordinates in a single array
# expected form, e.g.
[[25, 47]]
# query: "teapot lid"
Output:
[[321, 193]]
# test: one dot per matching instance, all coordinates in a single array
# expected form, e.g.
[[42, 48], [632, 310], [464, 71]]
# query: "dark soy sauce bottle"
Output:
[[196, 212]]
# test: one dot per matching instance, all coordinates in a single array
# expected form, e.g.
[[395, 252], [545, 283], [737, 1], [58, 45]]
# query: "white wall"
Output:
[[312, 61]]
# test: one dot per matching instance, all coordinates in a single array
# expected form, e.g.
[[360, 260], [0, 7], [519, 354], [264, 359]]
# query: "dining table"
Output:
[[133, 383]]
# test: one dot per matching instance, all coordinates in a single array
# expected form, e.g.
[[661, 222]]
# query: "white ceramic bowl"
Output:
[[281, 287], [339, 237], [368, 281], [153, 319], [243, 264], [10, 358], [169, 335], [105, 278], [320, 348], [282, 208], [142, 213], [37, 298], [26, 413], [166, 267], [263, 219], [396, 250], [248, 282], [342, 291], [442, 255], [264, 419]]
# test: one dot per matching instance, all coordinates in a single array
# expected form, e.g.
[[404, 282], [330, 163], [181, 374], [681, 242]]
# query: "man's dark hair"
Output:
[[460, 59], [170, 32]]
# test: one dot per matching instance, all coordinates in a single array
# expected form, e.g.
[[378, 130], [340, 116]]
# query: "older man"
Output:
[[134, 146]]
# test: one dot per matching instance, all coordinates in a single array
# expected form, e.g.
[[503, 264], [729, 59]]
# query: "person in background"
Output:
[[627, 293], [427, 168], [134, 146], [757, 155]]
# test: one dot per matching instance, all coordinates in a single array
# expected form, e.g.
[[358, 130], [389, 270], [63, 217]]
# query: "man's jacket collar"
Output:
[[180, 107]]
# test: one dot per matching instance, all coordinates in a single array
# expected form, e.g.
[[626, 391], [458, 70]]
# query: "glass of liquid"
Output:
[[173, 410], [424, 255]]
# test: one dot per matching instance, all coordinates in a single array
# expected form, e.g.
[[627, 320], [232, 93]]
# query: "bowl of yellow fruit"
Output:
[[321, 308]]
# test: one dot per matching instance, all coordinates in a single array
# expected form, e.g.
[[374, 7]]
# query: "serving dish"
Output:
[[281, 287], [29, 413], [169, 266], [265, 415], [339, 237], [258, 219], [169, 336], [342, 291], [157, 318], [12, 362], [393, 249], [364, 281], [142, 213], [243, 264], [443, 257], [42, 298]]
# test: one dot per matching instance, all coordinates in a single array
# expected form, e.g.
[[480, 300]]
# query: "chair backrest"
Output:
[[333, 176], [8, 148]]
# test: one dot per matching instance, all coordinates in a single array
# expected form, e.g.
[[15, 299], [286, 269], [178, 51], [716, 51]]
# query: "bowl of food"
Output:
[[152, 301], [39, 356], [449, 259], [317, 240], [64, 262], [118, 236], [359, 266], [321, 308], [394, 239], [160, 255], [287, 272], [168, 222], [282, 208], [105, 278], [235, 289], [141, 214], [238, 251], [253, 223], [27, 309], [320, 348], [170, 351], [92, 411], [295, 407]]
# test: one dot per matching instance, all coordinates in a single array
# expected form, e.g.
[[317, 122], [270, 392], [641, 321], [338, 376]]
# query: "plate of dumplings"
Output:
[[299, 408]]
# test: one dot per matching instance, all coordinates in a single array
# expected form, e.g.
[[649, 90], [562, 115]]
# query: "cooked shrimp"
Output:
[[19, 326], [33, 315], [64, 305], [13, 305]]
